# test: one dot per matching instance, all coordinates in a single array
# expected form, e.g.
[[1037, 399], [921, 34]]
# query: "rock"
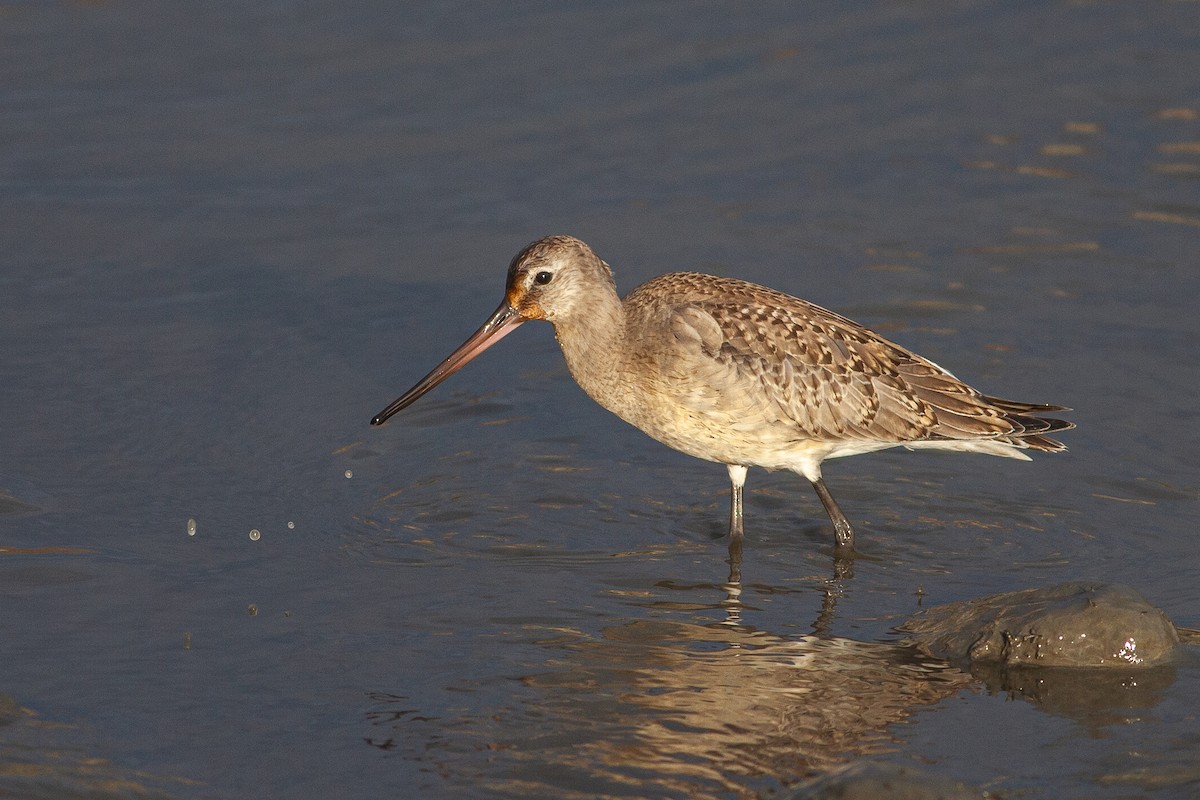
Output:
[[11, 505], [1071, 625], [1096, 697], [874, 780]]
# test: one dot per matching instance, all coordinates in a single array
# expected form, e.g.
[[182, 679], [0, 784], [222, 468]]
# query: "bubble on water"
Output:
[[349, 473], [254, 534], [291, 525], [191, 528]]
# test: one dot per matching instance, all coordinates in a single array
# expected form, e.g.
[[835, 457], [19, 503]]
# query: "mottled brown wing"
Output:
[[759, 354], [829, 380], [832, 378]]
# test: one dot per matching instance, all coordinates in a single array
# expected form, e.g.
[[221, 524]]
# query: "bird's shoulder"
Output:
[[736, 319]]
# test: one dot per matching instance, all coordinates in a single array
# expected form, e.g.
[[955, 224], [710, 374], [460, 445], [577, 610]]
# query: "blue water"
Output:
[[234, 232]]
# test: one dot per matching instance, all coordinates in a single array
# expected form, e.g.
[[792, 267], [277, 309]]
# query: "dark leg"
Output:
[[843, 533], [735, 562], [843, 570]]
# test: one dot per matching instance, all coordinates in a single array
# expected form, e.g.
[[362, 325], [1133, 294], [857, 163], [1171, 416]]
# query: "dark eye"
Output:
[[543, 278]]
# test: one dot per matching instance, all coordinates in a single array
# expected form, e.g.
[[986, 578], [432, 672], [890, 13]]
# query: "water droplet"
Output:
[[254, 534], [191, 527], [291, 525], [349, 473]]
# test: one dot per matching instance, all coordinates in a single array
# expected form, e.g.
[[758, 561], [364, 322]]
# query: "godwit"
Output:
[[743, 375]]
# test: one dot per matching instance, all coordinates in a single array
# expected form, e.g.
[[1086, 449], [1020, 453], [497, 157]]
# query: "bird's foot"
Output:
[[843, 539]]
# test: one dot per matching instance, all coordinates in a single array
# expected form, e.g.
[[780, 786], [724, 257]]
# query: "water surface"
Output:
[[233, 232]]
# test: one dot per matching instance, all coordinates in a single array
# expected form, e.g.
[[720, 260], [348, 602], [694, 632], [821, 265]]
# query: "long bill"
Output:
[[503, 322]]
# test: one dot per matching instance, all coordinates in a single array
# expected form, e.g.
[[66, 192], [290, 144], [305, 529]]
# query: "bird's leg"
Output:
[[737, 479], [843, 533], [843, 570], [734, 584]]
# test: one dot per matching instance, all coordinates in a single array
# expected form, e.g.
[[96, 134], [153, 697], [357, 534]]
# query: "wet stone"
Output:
[[1070, 625], [873, 780], [10, 710], [1096, 697], [11, 505]]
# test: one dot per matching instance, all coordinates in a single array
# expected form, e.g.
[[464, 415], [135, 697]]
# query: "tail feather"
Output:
[[1022, 408], [1032, 426], [1021, 427], [1043, 443]]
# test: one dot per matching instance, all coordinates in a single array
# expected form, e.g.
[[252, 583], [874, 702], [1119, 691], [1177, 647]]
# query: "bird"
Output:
[[746, 376]]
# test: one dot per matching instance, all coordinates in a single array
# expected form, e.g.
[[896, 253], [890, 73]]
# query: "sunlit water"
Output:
[[232, 234]]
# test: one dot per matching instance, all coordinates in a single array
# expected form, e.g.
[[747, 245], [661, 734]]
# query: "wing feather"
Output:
[[783, 360]]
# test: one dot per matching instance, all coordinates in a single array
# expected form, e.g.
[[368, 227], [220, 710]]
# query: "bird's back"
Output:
[[747, 369]]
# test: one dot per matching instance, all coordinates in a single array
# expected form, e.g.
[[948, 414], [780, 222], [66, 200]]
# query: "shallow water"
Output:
[[233, 232]]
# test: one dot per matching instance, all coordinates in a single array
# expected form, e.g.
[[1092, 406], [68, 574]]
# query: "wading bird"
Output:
[[743, 375]]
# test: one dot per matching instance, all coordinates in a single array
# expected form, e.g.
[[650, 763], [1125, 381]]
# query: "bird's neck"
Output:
[[593, 346]]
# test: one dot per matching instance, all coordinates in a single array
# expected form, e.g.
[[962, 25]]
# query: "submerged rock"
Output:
[[11, 505], [874, 780], [1095, 697], [1070, 625]]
